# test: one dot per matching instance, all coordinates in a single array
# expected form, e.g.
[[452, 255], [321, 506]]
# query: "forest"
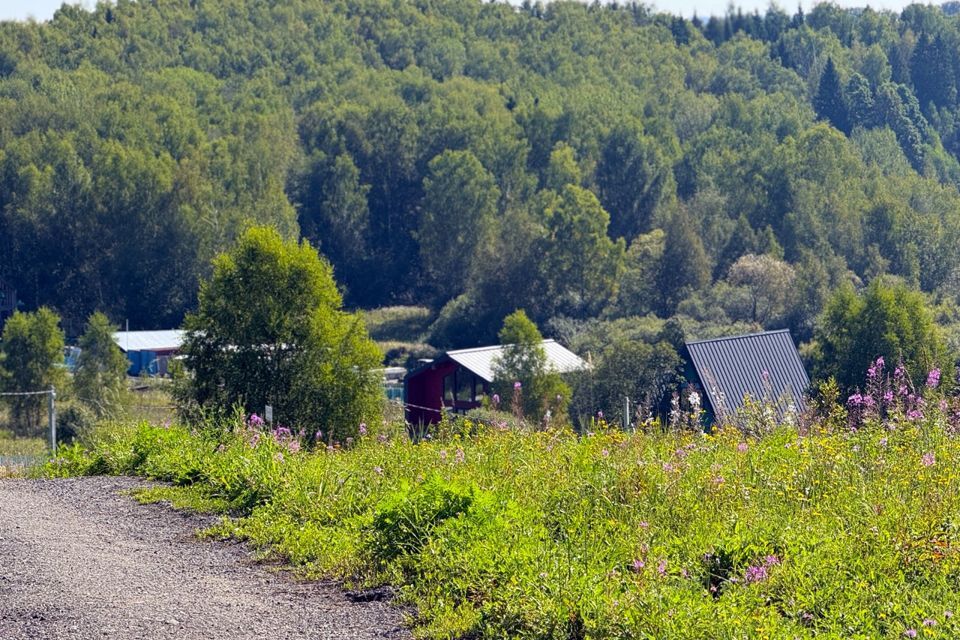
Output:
[[604, 167]]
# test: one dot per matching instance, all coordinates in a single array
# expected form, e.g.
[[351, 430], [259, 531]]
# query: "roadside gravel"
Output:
[[79, 560]]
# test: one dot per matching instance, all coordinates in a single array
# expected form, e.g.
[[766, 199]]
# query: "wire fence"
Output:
[[51, 394]]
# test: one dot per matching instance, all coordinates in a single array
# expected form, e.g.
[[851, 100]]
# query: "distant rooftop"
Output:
[[480, 360], [765, 366], [166, 340]]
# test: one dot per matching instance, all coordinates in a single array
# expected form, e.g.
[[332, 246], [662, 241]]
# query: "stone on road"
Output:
[[81, 560]]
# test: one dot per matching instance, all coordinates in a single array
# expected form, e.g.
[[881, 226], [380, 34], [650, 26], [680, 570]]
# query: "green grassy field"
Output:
[[822, 532]]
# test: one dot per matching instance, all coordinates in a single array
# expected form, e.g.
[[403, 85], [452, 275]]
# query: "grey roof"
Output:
[[480, 359], [169, 340], [732, 368]]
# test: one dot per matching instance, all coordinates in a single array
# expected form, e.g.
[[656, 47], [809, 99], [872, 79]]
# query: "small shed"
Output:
[[763, 366], [149, 351], [459, 380]]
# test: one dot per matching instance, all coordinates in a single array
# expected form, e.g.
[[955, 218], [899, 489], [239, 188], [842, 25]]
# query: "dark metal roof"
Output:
[[764, 366]]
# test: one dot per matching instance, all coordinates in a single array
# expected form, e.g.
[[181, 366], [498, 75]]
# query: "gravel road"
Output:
[[79, 560]]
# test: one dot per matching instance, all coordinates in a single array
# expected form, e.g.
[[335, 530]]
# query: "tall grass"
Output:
[[829, 531]]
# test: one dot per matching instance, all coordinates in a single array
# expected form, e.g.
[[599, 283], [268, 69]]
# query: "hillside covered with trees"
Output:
[[581, 162]]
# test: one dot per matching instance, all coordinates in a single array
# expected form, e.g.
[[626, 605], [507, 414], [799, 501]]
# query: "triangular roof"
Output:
[[167, 340], [765, 366], [479, 360]]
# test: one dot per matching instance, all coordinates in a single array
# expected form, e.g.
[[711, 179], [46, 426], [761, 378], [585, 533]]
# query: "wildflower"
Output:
[[855, 400], [948, 614], [600, 415], [604, 453], [496, 399], [330, 448], [910, 633], [378, 470], [755, 573], [662, 567], [879, 363], [929, 622], [349, 441], [460, 456], [742, 447], [933, 378], [899, 371], [644, 524], [888, 397], [638, 565], [669, 467], [771, 560], [684, 573], [363, 429], [255, 420], [254, 440], [517, 385], [443, 454], [914, 415], [293, 446], [882, 442], [382, 438], [278, 456], [928, 459], [544, 575], [717, 480], [318, 435]]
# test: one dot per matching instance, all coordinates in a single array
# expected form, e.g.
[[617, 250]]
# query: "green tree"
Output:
[[100, 377], [270, 331], [891, 321], [829, 101], [460, 201], [581, 264], [30, 357], [684, 267], [645, 373], [524, 361], [769, 282]]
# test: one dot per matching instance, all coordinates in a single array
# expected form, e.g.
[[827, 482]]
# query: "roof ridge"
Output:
[[491, 347], [739, 337]]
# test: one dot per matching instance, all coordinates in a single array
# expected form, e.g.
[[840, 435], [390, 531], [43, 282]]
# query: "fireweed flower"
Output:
[[910, 633], [638, 565], [517, 385], [929, 622], [928, 459], [662, 567], [755, 573], [742, 447], [363, 429], [460, 456], [933, 379], [255, 420]]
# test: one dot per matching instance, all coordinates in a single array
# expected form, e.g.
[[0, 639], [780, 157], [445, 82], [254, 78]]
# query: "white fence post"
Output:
[[52, 415]]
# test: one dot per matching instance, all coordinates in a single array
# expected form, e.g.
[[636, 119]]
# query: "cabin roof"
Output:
[[166, 340], [764, 366], [480, 360]]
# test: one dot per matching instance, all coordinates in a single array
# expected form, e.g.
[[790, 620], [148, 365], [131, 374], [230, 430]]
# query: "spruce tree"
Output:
[[829, 102]]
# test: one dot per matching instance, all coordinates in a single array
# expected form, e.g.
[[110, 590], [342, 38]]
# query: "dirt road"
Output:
[[80, 560]]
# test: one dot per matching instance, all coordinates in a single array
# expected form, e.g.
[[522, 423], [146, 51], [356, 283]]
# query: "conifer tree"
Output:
[[829, 102]]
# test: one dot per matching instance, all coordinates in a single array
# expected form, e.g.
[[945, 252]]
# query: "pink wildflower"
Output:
[[363, 429], [928, 459], [742, 447], [933, 378]]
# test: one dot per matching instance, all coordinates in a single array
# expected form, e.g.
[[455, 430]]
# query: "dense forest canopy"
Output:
[[578, 161]]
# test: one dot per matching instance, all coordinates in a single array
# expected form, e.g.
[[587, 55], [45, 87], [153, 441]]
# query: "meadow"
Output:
[[847, 526]]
